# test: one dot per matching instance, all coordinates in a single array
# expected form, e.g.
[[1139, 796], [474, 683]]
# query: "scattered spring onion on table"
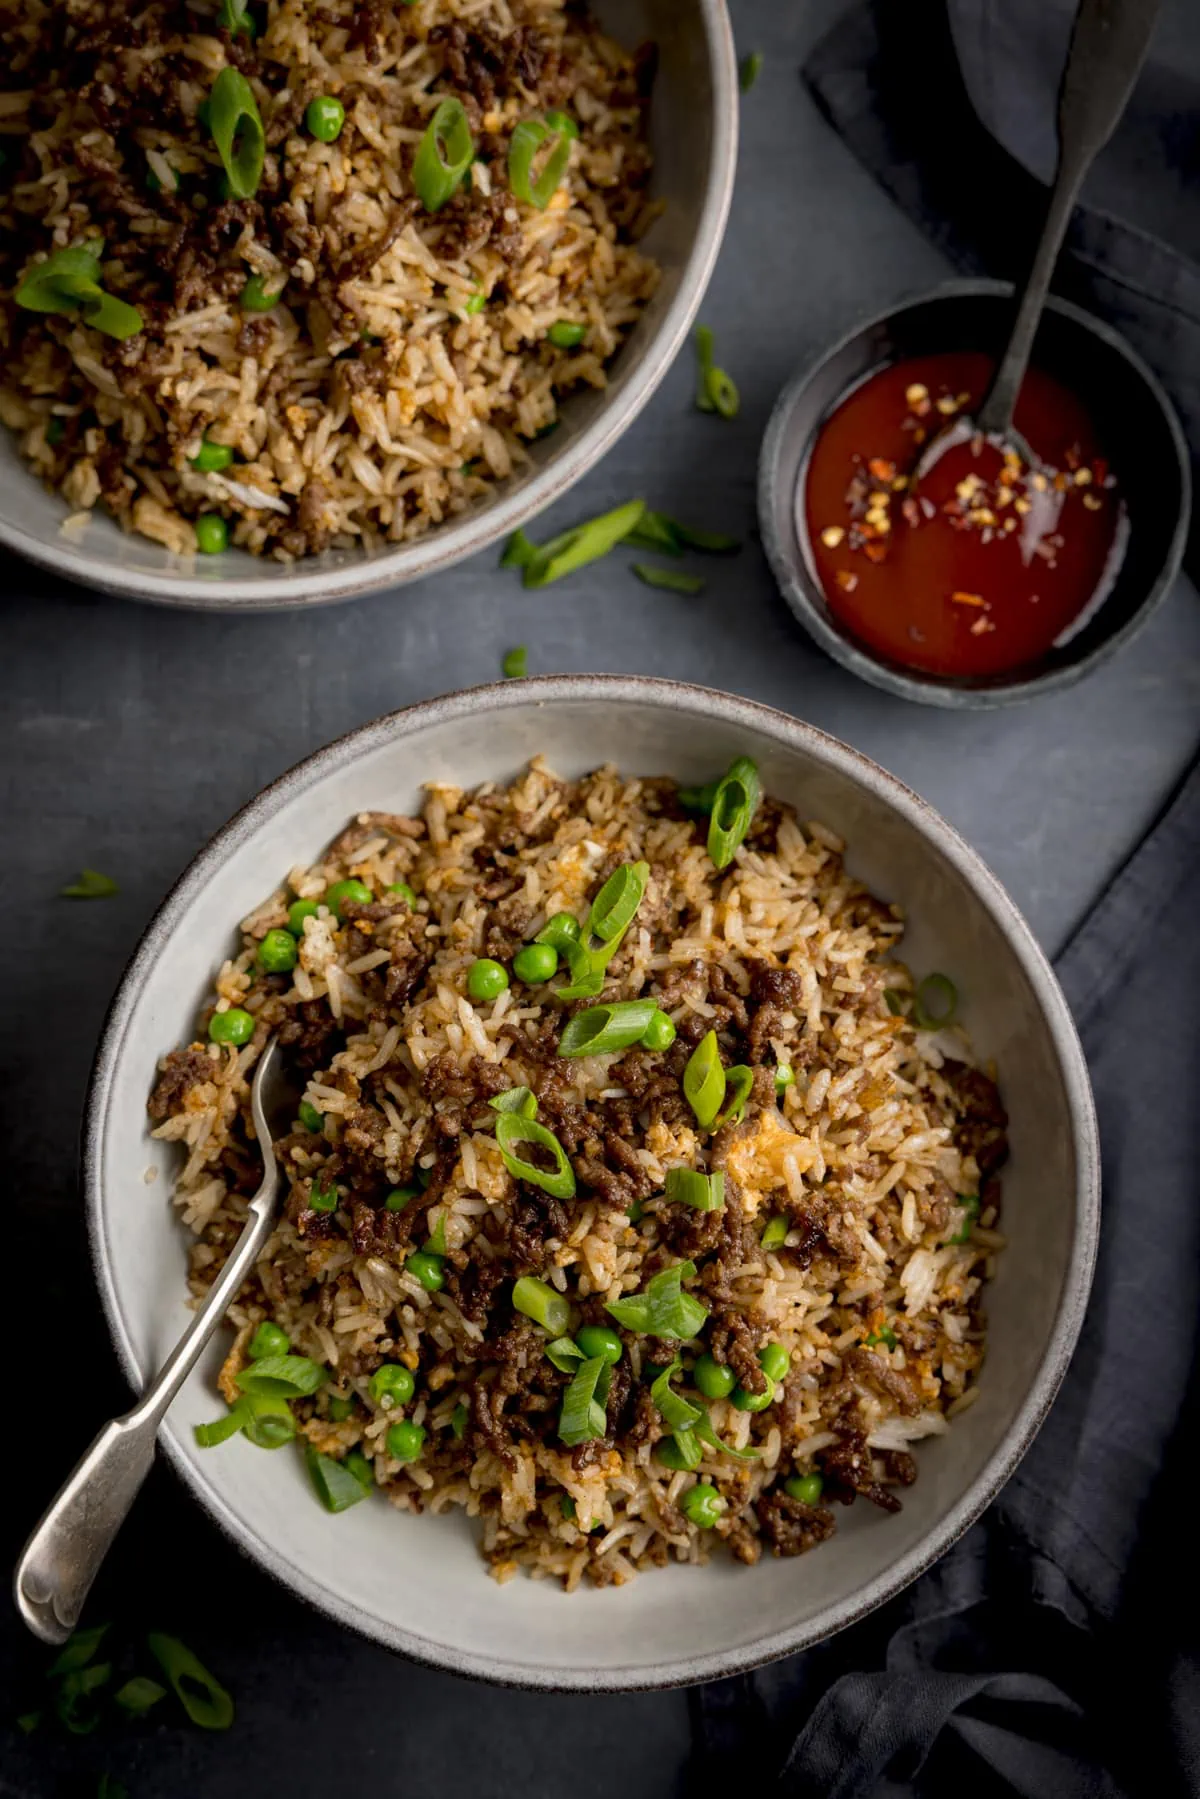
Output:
[[202, 1697], [672, 579], [583, 544], [514, 663], [716, 391], [444, 155], [90, 885], [656, 531], [748, 70]]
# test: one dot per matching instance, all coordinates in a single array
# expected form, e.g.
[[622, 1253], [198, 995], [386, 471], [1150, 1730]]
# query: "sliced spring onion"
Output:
[[529, 137], [202, 1697], [703, 1192], [233, 17], [78, 1651], [513, 1130], [268, 1423], [583, 1416], [75, 1704], [748, 70], [680, 1452], [583, 544], [587, 971], [337, 1487], [543, 1303], [704, 1081], [209, 1435], [775, 1233], [138, 1695], [674, 580], [516, 1099], [663, 1309], [604, 1028], [90, 885], [68, 282], [709, 543], [237, 131], [704, 1430], [513, 664], [734, 806], [655, 531], [518, 551], [716, 391], [458, 1421], [617, 901], [565, 1354], [677, 1412], [894, 1001], [785, 1077], [935, 1004], [360, 1467], [699, 799], [884, 1335], [291, 1376], [444, 155], [738, 1082], [435, 1245]]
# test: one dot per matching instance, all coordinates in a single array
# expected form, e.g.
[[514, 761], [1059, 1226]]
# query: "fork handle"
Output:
[[63, 1556]]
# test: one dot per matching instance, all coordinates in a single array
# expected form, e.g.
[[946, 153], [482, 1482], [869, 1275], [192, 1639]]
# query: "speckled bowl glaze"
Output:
[[693, 129], [417, 1583]]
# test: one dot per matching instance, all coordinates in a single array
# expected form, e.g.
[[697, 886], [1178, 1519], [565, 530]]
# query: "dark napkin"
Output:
[[950, 104], [1053, 1653]]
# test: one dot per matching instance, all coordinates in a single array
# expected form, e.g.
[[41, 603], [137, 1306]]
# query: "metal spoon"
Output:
[[1109, 41], [63, 1556]]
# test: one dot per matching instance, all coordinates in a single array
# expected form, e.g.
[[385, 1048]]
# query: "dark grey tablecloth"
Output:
[[1052, 1653]]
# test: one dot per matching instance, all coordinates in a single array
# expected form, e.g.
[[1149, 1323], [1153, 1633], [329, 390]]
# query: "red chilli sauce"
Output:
[[986, 563]]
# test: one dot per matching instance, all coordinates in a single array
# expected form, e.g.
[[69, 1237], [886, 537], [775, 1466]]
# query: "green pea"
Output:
[[565, 336], [428, 1270], [56, 430], [277, 953], [325, 117], [774, 1361], [405, 891], [883, 1335], [702, 1505], [405, 1441], [598, 1339], [268, 1339], [536, 962], [659, 1034], [785, 1077], [212, 534], [393, 1381], [210, 457], [255, 297], [475, 304], [356, 893], [486, 979], [804, 1487], [340, 1409], [399, 1197], [714, 1379], [322, 1198], [754, 1402], [310, 1118], [233, 1026], [298, 911], [360, 1467]]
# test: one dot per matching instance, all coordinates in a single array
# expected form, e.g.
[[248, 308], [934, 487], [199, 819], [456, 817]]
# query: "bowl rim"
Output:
[[798, 588], [481, 525], [791, 734]]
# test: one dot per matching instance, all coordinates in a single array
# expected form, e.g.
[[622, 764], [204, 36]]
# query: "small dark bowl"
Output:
[[1136, 426]]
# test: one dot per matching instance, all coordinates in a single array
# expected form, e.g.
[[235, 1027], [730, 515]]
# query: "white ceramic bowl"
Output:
[[693, 130], [418, 1583]]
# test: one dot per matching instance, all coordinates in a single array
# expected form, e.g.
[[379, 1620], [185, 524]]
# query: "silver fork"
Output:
[[63, 1556]]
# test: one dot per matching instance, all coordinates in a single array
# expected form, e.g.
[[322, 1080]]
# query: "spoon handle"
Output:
[[63, 1556], [1108, 45]]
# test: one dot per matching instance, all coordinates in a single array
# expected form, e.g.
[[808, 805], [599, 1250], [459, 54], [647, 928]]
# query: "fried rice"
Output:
[[860, 1204], [404, 365]]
